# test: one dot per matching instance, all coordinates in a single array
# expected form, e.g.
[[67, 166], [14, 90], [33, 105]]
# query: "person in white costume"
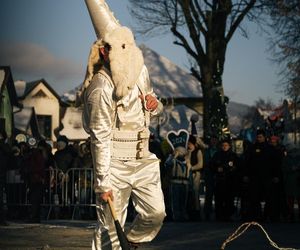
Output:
[[118, 102]]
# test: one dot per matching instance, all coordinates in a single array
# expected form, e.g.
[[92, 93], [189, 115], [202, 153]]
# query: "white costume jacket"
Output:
[[105, 118], [122, 162]]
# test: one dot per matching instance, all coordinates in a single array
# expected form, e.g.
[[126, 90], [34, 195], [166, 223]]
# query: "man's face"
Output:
[[260, 138], [105, 52], [225, 146]]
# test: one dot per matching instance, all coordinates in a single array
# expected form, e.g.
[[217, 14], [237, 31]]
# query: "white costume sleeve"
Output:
[[98, 118]]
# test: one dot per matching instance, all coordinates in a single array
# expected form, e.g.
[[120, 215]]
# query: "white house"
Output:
[[46, 103]]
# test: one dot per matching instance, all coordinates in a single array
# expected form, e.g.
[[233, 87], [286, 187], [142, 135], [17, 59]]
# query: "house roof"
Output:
[[168, 79], [7, 79], [25, 88]]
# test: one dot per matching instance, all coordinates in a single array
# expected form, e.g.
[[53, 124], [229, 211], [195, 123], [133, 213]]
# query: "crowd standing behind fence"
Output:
[[34, 181], [37, 184]]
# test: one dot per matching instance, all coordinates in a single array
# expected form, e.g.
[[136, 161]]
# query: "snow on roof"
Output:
[[175, 118], [72, 124], [168, 79], [20, 87]]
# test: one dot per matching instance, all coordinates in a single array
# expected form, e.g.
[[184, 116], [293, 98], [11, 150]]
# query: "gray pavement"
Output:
[[71, 234]]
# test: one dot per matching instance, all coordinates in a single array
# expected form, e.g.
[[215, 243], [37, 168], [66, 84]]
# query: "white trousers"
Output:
[[139, 180]]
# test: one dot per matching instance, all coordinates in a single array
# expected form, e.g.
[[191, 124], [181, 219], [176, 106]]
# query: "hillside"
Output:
[[236, 116]]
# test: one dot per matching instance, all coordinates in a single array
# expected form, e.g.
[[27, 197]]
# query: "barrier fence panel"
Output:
[[72, 190], [79, 189], [54, 189], [16, 189]]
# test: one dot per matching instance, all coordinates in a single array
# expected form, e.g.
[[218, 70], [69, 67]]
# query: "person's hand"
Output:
[[104, 196], [151, 102]]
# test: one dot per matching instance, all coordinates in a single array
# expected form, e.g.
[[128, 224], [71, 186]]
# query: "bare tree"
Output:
[[285, 45], [203, 28]]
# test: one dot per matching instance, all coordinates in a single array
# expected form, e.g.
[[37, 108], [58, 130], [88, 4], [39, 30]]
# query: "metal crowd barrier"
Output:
[[79, 188], [15, 189], [72, 190], [54, 189]]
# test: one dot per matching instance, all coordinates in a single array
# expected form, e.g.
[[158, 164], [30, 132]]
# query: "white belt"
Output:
[[127, 145]]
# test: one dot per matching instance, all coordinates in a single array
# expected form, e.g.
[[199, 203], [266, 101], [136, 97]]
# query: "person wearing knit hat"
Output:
[[195, 157], [118, 101]]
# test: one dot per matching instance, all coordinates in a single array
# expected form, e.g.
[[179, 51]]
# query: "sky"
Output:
[[51, 39]]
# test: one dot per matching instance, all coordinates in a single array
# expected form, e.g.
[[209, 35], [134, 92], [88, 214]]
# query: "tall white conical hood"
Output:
[[126, 59], [102, 18]]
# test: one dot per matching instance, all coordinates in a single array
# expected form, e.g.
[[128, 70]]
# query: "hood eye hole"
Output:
[[123, 46]]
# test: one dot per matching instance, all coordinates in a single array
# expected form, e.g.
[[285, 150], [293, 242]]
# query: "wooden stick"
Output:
[[121, 235]]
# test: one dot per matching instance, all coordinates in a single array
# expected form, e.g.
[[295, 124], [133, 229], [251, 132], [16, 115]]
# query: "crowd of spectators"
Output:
[[261, 183], [200, 182], [31, 172]]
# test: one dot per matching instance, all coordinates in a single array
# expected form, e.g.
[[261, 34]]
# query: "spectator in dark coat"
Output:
[[64, 155], [209, 176], [291, 169], [35, 165], [225, 165], [278, 203], [261, 169]]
